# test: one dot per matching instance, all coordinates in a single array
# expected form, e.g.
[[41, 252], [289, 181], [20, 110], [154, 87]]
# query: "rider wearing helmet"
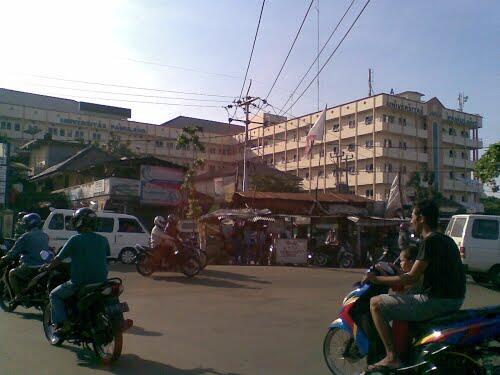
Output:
[[88, 251], [28, 247], [19, 228], [164, 234]]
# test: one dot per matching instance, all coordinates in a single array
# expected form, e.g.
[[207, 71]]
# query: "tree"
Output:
[[491, 205], [422, 186], [286, 183], [488, 166], [186, 139], [118, 148]]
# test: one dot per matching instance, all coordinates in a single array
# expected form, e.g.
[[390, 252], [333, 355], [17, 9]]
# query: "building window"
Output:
[[96, 136], [424, 148], [294, 157], [335, 150], [452, 175], [387, 143], [283, 160], [388, 167], [335, 127], [424, 125], [463, 175], [369, 167], [351, 147], [307, 175], [452, 153], [402, 121], [402, 145], [463, 155], [452, 198], [159, 143], [452, 131], [2, 125], [464, 198], [403, 169], [369, 193], [9, 126], [369, 143], [321, 153], [320, 174], [62, 133], [351, 169], [70, 133], [352, 124], [368, 120]]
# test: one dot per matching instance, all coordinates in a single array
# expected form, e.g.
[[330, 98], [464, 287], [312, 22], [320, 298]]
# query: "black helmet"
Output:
[[31, 221], [84, 217]]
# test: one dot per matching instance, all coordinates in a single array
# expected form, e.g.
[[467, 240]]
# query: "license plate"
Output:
[[117, 308]]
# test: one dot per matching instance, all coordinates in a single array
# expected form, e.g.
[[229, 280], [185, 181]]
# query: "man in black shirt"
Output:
[[439, 263]]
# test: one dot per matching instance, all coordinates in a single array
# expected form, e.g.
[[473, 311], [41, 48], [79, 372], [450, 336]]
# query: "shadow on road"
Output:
[[485, 285], [203, 281], [125, 268], [131, 364], [232, 276], [29, 315], [139, 331]]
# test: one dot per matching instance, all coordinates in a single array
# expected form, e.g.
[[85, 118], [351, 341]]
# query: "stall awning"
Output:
[[243, 214], [373, 221]]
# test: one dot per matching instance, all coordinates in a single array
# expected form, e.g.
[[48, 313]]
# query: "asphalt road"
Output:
[[229, 320]]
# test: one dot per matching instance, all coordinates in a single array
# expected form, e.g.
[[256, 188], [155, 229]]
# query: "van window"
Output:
[[57, 222], [458, 227], [129, 226], [68, 223], [105, 224], [485, 229]]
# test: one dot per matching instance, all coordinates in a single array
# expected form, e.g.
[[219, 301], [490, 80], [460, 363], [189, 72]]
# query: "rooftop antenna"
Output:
[[462, 99], [370, 82]]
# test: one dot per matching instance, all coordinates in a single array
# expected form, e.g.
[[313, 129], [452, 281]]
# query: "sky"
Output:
[[439, 48]]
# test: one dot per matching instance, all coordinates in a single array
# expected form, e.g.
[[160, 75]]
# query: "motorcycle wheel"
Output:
[[191, 267], [6, 303], [48, 327], [346, 261], [111, 351], [335, 346], [320, 259], [457, 363], [145, 265], [202, 259]]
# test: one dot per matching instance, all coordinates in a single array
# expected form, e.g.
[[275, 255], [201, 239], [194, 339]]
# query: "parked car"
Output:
[[477, 237], [122, 231]]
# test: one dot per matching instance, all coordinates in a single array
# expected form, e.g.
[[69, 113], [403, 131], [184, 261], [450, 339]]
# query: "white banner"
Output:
[[292, 251]]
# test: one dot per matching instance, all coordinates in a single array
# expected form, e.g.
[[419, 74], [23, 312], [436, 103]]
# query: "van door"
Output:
[[482, 243], [56, 232], [106, 227], [130, 232]]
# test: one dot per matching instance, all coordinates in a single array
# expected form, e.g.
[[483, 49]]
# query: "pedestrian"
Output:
[[237, 239], [260, 244], [247, 235]]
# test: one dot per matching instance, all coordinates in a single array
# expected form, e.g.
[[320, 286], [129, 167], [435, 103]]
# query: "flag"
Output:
[[396, 197], [316, 132]]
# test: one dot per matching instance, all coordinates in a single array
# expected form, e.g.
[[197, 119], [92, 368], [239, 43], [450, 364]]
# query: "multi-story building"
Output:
[[25, 117], [367, 141]]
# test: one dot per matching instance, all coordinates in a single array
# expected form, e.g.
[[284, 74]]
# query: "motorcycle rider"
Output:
[[164, 235], [88, 251], [28, 247], [404, 236], [439, 263], [19, 227]]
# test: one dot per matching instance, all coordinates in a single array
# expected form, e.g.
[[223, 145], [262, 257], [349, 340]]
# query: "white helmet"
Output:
[[160, 221]]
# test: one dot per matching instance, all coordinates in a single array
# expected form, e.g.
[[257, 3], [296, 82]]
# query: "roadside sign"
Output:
[[292, 251]]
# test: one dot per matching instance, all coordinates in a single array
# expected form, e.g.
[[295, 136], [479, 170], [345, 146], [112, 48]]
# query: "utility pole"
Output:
[[340, 158], [245, 103]]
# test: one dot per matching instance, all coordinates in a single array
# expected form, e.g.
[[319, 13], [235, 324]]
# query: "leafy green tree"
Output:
[[189, 138], [118, 148], [488, 166], [491, 205]]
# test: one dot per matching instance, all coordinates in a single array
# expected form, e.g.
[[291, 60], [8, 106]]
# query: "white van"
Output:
[[477, 237], [122, 231]]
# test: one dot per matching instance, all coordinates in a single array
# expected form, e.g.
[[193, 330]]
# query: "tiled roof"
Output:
[[207, 125]]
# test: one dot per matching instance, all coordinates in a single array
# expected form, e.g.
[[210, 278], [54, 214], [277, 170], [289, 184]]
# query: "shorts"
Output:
[[416, 307]]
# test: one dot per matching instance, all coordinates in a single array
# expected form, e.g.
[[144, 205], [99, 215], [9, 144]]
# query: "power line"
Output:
[[143, 102], [253, 47], [333, 53], [291, 48], [127, 87], [318, 55], [128, 94]]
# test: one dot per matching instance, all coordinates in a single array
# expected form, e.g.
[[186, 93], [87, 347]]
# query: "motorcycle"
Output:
[[184, 260], [338, 255], [201, 254], [461, 343], [95, 316]]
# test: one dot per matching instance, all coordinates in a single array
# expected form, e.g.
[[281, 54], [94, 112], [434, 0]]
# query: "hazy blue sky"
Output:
[[436, 47]]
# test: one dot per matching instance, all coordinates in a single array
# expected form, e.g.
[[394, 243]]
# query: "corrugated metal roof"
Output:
[[307, 197], [207, 125]]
